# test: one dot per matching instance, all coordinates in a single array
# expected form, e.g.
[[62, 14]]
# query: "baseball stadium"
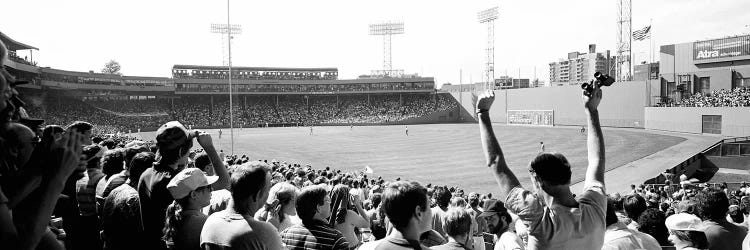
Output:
[[403, 127], [269, 138]]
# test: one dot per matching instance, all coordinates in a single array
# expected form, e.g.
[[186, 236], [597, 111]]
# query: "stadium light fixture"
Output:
[[488, 17], [387, 30], [227, 30]]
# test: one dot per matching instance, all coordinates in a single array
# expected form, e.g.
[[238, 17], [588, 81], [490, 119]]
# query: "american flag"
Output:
[[642, 34]]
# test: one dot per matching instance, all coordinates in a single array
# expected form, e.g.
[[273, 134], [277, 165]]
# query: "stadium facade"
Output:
[[703, 67]]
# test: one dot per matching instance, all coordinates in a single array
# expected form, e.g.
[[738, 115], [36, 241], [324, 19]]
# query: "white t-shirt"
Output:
[[559, 227], [509, 241]]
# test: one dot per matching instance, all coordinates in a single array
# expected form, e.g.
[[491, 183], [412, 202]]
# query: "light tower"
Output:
[[227, 30], [387, 30], [624, 40], [488, 17]]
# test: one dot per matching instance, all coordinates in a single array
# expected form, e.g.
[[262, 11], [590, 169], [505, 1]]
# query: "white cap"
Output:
[[684, 222], [189, 180]]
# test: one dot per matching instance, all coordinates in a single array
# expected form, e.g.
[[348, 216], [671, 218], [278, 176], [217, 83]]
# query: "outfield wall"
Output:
[[622, 105], [735, 121]]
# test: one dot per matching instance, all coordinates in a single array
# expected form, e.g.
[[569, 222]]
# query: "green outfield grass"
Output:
[[443, 154]]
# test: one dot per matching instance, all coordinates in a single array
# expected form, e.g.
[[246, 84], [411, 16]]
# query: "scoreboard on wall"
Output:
[[531, 117]]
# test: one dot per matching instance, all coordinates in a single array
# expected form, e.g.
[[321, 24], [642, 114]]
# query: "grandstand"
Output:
[[197, 95]]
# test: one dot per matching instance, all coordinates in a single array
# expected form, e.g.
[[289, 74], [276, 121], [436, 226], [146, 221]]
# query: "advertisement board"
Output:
[[721, 48], [531, 117]]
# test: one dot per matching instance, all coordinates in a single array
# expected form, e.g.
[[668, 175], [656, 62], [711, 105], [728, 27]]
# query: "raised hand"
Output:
[[484, 102], [68, 150], [204, 139], [591, 99], [273, 213]]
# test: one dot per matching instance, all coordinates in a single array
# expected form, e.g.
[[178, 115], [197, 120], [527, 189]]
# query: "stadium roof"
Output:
[[13, 45], [179, 66]]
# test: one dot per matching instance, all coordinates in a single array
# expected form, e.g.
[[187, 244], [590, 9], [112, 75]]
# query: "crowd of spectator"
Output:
[[737, 97], [304, 87], [112, 116], [251, 74], [68, 188]]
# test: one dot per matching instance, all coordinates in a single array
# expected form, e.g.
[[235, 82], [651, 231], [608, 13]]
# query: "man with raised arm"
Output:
[[556, 219]]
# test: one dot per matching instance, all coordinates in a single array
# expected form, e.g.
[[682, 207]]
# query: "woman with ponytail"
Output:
[[279, 209], [191, 190], [347, 213]]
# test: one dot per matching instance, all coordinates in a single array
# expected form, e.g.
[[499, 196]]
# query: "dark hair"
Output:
[[109, 143], [697, 238], [49, 130], [712, 204], [736, 214], [551, 168], [131, 152], [442, 197], [202, 161], [611, 216], [308, 201], [166, 157], [139, 164], [173, 220], [81, 126], [247, 181], [376, 199], [112, 162], [651, 222], [90, 152], [634, 205], [400, 199], [339, 204]]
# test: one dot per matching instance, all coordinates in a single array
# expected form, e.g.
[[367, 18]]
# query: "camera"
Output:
[[601, 80]]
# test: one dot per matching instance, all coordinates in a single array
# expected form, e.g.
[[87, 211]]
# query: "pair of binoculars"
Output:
[[601, 80]]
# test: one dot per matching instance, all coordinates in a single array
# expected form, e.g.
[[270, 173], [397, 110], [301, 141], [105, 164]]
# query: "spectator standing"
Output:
[[345, 219], [480, 226], [377, 217], [279, 209], [235, 227], [443, 199], [685, 232], [191, 189], [619, 237], [88, 222], [634, 206], [313, 206], [457, 225], [556, 219], [499, 223], [121, 212], [651, 222], [174, 142], [406, 205], [713, 205]]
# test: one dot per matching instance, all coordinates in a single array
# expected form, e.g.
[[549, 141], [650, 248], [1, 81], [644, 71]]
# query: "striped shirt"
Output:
[[313, 235]]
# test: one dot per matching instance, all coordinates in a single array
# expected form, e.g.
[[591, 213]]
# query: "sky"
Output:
[[441, 40]]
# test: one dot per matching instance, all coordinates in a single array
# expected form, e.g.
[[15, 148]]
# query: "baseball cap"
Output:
[[188, 180], [684, 222], [173, 135], [492, 207]]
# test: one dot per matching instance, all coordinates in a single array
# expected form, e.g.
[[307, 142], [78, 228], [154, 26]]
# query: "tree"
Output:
[[111, 67]]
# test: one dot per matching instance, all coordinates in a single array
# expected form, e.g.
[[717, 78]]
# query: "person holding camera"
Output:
[[555, 217], [343, 218]]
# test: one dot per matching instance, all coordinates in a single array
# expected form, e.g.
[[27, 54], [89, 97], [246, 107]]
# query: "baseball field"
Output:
[[441, 154]]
